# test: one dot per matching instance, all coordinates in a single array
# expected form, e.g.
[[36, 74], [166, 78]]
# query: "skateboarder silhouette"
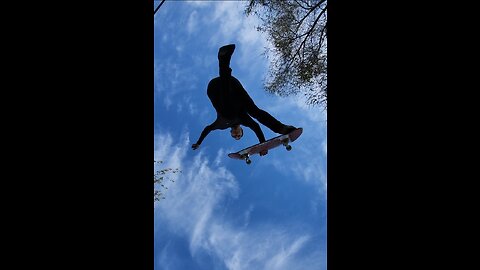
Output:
[[234, 106]]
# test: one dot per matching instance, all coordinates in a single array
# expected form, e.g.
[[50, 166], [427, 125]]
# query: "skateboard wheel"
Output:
[[288, 147], [248, 161]]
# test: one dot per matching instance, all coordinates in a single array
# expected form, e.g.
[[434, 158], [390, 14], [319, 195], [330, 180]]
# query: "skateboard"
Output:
[[284, 140]]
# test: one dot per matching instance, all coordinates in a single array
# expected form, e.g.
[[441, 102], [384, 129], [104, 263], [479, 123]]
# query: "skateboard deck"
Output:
[[284, 140]]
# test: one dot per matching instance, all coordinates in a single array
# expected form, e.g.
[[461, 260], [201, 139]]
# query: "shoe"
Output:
[[286, 129], [225, 52]]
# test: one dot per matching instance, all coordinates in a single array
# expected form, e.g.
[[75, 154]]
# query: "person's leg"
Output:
[[228, 104], [224, 56], [238, 98], [214, 94], [243, 102], [266, 119]]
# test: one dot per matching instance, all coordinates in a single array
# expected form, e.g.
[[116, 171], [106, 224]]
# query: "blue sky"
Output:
[[221, 213]]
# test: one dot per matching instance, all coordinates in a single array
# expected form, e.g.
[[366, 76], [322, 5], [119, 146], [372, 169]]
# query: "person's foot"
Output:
[[287, 129], [225, 53]]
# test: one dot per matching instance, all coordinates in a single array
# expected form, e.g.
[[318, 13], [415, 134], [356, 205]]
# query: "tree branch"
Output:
[[308, 33], [161, 3], [308, 13]]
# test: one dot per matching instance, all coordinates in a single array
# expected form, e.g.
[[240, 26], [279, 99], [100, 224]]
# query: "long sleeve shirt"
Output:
[[232, 104], [223, 123]]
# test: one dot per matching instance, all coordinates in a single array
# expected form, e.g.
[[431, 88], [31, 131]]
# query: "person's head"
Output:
[[236, 132]]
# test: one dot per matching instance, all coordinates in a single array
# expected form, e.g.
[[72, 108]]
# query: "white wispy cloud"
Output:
[[199, 4], [193, 22], [307, 160], [167, 101], [280, 260], [253, 44], [229, 24], [198, 190], [193, 211], [179, 107], [194, 206], [269, 247], [174, 84], [226, 20], [246, 215], [220, 157], [166, 260], [171, 154]]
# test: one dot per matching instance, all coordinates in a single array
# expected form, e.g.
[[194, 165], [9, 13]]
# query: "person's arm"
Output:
[[212, 93], [247, 121], [204, 134]]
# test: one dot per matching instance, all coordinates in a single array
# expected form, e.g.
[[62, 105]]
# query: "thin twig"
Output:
[[158, 7]]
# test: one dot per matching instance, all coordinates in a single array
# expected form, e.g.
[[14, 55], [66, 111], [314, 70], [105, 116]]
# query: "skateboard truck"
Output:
[[287, 146], [247, 158]]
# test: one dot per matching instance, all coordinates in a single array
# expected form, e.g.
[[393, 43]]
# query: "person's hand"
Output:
[[263, 153], [195, 146]]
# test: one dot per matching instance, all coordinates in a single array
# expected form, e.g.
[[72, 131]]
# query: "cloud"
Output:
[[178, 67], [173, 81], [231, 25], [200, 4], [279, 260], [253, 44], [192, 22], [194, 211], [198, 190], [227, 18], [307, 161], [167, 260], [269, 247], [171, 155], [220, 156], [246, 215], [167, 102]]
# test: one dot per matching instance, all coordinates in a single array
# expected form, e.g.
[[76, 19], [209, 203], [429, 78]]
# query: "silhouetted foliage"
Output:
[[160, 180], [298, 31]]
